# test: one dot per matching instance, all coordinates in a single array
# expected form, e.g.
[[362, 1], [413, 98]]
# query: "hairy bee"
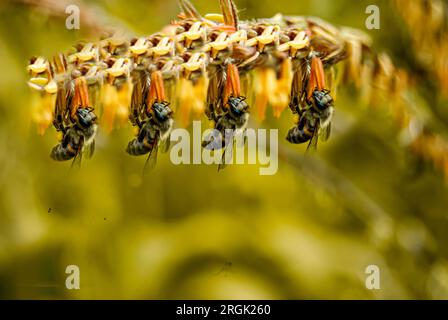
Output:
[[314, 105], [305, 129], [236, 117], [152, 114], [78, 137], [233, 116], [152, 131], [77, 121], [315, 121]]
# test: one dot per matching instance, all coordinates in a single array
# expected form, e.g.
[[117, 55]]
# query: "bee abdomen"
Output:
[[136, 148], [139, 148], [297, 136], [59, 153]]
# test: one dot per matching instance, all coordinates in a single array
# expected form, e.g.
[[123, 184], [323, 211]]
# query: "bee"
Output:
[[236, 117], [315, 107], [153, 116], [231, 118], [79, 134], [77, 137]]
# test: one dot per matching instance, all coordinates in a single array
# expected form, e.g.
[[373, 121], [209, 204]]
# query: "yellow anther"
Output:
[[251, 42], [51, 87], [87, 53], [216, 17], [195, 32], [300, 42], [92, 76], [238, 36], [284, 47], [118, 69], [39, 81], [268, 36], [221, 43], [140, 47], [116, 42], [39, 66], [194, 63], [164, 47]]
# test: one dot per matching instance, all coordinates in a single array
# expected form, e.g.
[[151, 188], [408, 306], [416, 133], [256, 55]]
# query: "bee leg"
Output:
[[151, 161], [226, 154], [76, 163], [78, 157], [213, 141]]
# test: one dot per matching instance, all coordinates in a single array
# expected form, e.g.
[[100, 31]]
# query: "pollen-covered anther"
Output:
[[119, 68], [238, 36], [38, 83], [215, 17], [87, 53], [269, 35], [39, 66], [222, 42], [301, 41], [164, 47], [140, 47], [51, 87], [195, 32], [195, 62]]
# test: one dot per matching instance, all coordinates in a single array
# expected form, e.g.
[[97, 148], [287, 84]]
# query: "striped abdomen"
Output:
[[301, 133], [144, 143], [69, 147]]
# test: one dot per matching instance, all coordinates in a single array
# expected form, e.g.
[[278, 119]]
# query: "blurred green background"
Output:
[[188, 232]]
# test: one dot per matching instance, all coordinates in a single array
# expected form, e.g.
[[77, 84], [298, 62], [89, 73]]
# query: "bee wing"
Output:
[[69, 96], [60, 109], [78, 158], [215, 92], [151, 161], [165, 144], [223, 164], [297, 88], [325, 132], [226, 154], [139, 93], [90, 150], [76, 163], [312, 146]]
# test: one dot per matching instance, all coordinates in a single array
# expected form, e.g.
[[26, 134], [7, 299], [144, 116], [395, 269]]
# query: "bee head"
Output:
[[238, 106], [85, 117], [162, 111], [322, 99]]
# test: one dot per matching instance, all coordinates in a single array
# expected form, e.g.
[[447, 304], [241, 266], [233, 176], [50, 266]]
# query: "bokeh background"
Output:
[[188, 232]]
